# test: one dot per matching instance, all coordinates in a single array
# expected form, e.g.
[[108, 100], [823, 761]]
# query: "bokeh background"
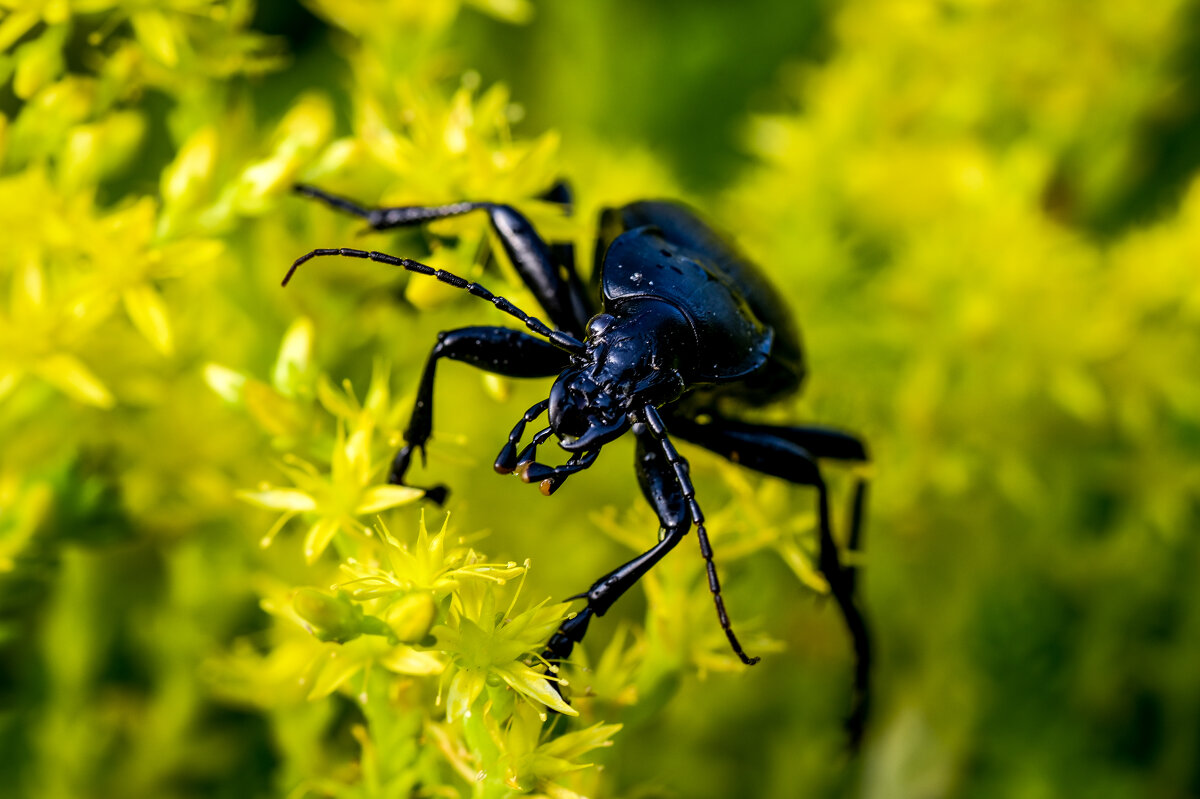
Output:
[[987, 220]]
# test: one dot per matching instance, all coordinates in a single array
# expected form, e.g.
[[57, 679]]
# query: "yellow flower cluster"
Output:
[[985, 215], [138, 291]]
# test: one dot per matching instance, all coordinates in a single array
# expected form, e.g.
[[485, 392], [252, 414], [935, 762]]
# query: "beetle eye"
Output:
[[599, 323]]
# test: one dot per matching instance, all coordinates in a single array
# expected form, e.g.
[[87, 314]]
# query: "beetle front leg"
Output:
[[657, 479], [499, 350]]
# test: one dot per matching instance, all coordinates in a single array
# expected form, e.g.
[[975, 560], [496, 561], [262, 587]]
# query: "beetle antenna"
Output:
[[658, 429], [563, 341]]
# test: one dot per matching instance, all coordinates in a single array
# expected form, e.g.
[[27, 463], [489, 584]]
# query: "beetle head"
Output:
[[583, 413], [632, 360]]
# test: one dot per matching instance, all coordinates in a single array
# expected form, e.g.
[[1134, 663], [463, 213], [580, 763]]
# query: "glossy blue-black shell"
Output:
[[747, 345]]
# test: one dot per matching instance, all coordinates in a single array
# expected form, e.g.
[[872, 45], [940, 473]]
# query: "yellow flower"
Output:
[[533, 760], [38, 338], [521, 754], [490, 648], [332, 502], [428, 567]]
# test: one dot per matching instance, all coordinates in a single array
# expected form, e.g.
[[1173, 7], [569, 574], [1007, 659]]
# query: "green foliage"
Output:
[[207, 588]]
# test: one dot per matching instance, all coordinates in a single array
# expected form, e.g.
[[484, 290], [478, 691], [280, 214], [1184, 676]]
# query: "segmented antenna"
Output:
[[655, 424], [558, 338]]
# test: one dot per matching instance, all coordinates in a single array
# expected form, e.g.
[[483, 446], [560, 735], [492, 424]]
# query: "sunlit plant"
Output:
[[984, 216]]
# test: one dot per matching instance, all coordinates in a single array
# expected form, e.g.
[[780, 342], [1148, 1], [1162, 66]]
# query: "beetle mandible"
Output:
[[677, 331]]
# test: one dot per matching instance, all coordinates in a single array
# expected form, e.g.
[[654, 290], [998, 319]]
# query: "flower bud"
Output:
[[412, 617], [331, 617]]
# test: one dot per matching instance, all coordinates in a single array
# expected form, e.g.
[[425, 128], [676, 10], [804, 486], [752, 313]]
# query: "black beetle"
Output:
[[686, 330]]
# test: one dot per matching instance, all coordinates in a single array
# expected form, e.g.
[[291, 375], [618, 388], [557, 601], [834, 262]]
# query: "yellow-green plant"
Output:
[[985, 215]]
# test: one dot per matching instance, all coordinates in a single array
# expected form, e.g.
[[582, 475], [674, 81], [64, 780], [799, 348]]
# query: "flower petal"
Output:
[[192, 168], [464, 690], [149, 315], [406, 660], [382, 497], [279, 499], [574, 745], [339, 666], [157, 35], [319, 536], [68, 374], [226, 382], [295, 353], [534, 684], [16, 25], [335, 403]]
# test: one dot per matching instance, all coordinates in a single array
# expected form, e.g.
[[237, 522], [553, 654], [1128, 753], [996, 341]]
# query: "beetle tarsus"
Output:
[[508, 460], [570, 633], [332, 200], [437, 495], [536, 472], [400, 463]]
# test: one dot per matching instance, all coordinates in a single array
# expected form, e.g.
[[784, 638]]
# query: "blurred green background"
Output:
[[986, 217]]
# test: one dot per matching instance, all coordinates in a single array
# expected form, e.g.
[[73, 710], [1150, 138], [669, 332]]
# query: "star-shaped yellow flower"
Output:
[[335, 501]]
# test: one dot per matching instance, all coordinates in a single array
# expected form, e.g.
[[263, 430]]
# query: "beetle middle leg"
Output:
[[499, 350], [544, 269], [791, 453]]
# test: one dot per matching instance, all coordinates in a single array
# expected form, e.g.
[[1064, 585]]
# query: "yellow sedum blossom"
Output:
[[490, 648], [332, 502], [985, 216], [428, 566]]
